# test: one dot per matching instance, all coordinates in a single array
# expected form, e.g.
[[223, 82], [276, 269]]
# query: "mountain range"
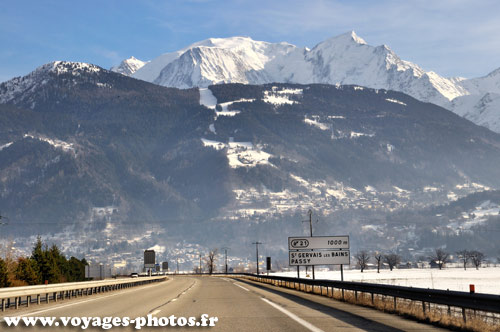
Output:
[[90, 150], [344, 59]]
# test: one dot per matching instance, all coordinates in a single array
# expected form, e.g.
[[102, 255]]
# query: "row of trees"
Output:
[[440, 258], [363, 258], [45, 265]]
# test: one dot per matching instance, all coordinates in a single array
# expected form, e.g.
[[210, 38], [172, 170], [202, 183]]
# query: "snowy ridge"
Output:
[[344, 59], [482, 109], [481, 103], [19, 87], [128, 66], [58, 144], [243, 60]]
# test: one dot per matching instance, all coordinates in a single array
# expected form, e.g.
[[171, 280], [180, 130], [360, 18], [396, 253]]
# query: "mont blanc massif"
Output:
[[230, 141]]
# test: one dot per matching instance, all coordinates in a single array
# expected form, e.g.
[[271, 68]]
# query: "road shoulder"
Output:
[[351, 314]]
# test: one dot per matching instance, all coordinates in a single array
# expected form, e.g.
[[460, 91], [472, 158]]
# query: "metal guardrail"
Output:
[[474, 301], [14, 295]]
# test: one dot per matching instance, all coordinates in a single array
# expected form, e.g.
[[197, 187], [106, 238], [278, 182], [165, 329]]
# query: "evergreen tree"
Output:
[[51, 269], [52, 266], [46, 262], [61, 262], [76, 270], [27, 270], [37, 252]]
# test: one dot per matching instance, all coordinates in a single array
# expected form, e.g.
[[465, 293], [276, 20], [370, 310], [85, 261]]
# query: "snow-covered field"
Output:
[[486, 280]]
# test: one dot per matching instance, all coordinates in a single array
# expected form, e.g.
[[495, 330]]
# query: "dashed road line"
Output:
[[174, 299]]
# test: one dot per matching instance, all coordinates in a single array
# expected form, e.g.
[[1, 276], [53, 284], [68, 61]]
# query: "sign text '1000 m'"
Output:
[[322, 257]]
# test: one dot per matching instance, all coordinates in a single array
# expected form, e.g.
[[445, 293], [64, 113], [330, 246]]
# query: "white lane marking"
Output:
[[176, 298], [294, 317], [155, 312], [240, 286], [80, 302]]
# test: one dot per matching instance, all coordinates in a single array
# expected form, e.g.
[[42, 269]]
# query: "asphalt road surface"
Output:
[[239, 305]]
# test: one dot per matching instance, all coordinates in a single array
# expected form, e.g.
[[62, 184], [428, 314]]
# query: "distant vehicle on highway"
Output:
[[134, 275]]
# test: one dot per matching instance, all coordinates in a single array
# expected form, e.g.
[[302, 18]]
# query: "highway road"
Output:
[[239, 305]]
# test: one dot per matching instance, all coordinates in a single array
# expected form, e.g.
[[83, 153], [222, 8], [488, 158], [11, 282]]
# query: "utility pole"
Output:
[[311, 230], [257, 254], [200, 262], [177, 260], [225, 253]]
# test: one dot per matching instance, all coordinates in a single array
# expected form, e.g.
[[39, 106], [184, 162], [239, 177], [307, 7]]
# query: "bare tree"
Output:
[[392, 260], [210, 260], [378, 257], [362, 258], [441, 257], [464, 256], [477, 258]]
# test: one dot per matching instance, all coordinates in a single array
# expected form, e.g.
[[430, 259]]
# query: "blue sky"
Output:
[[450, 37]]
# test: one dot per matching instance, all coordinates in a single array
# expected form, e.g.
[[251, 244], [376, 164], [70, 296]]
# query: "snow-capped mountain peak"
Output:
[[129, 66], [20, 87], [495, 73], [226, 43], [64, 67], [214, 61], [346, 38], [344, 59], [481, 101]]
